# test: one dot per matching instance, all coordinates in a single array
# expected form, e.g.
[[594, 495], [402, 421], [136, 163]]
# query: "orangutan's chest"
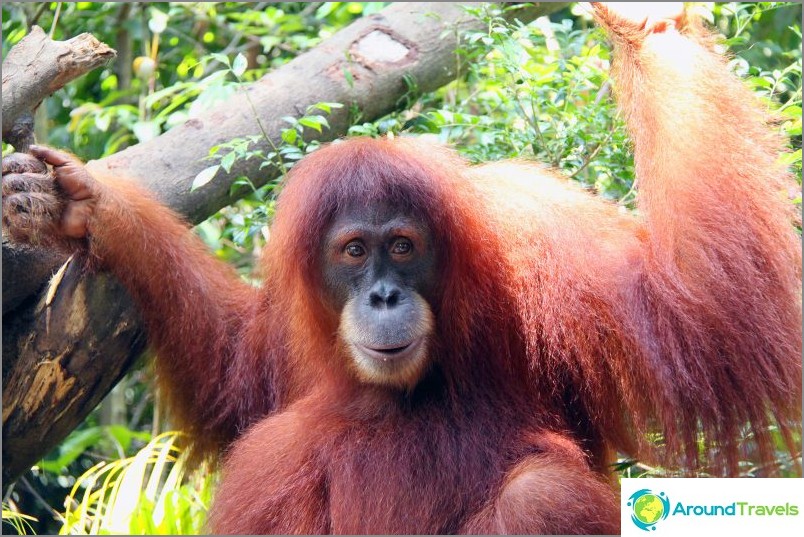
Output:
[[408, 482]]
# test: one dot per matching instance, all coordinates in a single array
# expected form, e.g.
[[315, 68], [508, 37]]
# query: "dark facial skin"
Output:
[[379, 269]]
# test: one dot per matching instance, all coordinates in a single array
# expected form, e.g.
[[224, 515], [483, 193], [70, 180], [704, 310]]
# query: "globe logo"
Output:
[[648, 508]]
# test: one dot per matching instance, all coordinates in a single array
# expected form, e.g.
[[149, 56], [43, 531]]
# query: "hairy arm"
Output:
[[714, 318], [549, 493], [686, 317], [194, 306]]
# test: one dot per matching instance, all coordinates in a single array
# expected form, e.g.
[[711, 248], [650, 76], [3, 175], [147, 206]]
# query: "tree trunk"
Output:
[[67, 362], [67, 349]]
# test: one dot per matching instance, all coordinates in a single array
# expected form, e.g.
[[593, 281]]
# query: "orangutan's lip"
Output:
[[387, 353]]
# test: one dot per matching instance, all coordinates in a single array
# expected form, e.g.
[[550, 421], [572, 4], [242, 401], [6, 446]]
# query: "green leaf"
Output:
[[124, 436], [204, 177], [102, 122], [289, 136], [239, 65], [228, 161], [223, 58], [788, 159], [325, 107], [314, 122], [347, 75], [325, 9], [75, 444]]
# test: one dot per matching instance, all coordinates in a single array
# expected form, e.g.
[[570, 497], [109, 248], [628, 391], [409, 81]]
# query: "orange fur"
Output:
[[564, 328]]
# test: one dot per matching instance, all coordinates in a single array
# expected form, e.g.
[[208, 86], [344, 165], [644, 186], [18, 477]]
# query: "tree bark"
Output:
[[65, 353], [37, 66], [67, 362], [376, 52]]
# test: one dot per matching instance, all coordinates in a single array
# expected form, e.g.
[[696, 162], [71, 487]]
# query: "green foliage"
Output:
[[20, 522], [247, 219], [242, 222], [536, 91], [186, 43], [80, 440], [141, 495], [766, 36], [785, 465]]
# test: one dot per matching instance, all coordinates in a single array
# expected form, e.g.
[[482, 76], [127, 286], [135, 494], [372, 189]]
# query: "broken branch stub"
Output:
[[37, 66]]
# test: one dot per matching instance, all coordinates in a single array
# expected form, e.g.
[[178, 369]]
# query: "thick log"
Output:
[[78, 345]]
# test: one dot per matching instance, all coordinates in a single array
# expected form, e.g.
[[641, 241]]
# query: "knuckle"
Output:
[[36, 205], [27, 182], [31, 217], [23, 163]]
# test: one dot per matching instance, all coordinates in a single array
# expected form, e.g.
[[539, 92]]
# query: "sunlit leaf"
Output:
[[204, 177], [228, 161], [239, 65]]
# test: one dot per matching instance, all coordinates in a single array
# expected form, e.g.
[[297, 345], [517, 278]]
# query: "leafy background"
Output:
[[536, 91]]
